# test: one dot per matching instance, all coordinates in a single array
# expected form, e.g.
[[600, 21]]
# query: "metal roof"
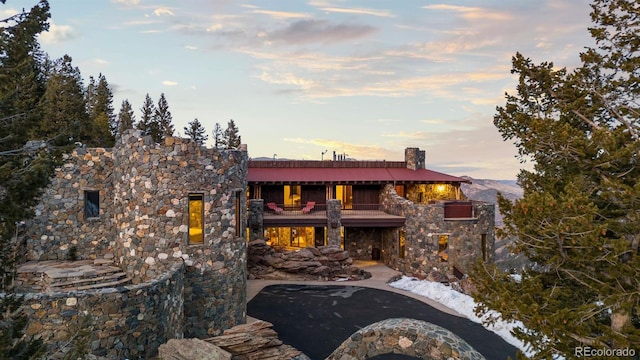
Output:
[[346, 175]]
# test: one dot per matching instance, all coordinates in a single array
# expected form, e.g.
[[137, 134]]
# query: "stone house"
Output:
[[169, 217], [157, 234], [400, 212]]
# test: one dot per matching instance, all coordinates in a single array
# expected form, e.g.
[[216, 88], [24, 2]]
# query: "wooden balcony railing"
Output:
[[458, 210]]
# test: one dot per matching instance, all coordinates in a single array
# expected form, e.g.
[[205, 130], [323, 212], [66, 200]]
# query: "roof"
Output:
[[347, 175]]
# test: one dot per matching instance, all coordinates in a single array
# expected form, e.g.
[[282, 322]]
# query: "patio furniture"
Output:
[[275, 208], [307, 209]]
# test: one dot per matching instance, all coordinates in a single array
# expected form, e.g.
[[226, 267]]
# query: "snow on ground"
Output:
[[461, 303]]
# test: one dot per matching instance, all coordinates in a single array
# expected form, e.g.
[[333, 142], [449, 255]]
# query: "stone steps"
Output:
[[84, 283], [63, 276]]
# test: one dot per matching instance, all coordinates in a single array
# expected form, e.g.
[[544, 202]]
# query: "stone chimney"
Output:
[[415, 158]]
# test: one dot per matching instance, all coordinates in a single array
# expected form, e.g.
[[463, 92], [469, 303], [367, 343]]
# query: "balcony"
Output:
[[359, 215], [459, 210]]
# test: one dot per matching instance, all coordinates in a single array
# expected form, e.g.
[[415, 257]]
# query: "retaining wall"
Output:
[[127, 322]]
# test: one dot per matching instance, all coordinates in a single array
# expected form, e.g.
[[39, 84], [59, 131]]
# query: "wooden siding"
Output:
[[273, 193], [366, 194], [317, 193]]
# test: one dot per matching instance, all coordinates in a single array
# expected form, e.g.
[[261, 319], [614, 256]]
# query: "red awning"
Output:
[[266, 175]]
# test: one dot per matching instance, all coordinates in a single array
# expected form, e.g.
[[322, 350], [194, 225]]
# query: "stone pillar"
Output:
[[415, 158], [334, 217], [256, 216]]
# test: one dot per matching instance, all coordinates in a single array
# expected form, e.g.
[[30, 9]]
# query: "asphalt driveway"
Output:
[[316, 319]]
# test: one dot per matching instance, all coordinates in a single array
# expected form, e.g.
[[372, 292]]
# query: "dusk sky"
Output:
[[364, 78]]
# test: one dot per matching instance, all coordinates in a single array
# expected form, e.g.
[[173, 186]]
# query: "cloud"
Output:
[[163, 11], [469, 12], [169, 83], [360, 11], [99, 61], [287, 79], [281, 14], [414, 135], [191, 47], [57, 34], [127, 2], [312, 31]]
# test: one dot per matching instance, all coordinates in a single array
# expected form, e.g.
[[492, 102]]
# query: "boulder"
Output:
[[255, 341], [310, 263], [191, 349]]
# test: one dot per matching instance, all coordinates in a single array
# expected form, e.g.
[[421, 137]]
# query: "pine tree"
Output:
[[23, 171], [218, 136], [126, 118], [99, 100], [146, 123], [196, 132], [232, 138], [162, 117], [65, 119], [579, 218]]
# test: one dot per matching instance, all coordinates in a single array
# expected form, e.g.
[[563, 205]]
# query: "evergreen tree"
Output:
[[579, 218], [232, 138], [163, 119], [99, 99], [126, 118], [65, 119], [196, 132], [24, 171], [146, 123], [218, 136]]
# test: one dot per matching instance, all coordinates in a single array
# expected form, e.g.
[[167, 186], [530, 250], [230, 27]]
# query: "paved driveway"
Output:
[[316, 319]]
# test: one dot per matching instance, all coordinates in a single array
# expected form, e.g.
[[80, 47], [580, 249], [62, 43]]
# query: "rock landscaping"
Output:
[[310, 263], [253, 341]]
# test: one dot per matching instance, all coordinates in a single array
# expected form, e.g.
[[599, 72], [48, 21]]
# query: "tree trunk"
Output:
[[620, 319]]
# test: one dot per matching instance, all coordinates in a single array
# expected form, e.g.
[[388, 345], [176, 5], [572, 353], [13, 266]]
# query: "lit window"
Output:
[[91, 204], [443, 248], [401, 245], [292, 195], [238, 224], [196, 218]]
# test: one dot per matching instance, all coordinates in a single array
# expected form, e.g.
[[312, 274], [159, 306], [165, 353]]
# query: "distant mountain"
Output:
[[487, 190]]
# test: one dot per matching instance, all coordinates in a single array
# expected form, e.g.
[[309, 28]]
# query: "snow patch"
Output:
[[463, 304]]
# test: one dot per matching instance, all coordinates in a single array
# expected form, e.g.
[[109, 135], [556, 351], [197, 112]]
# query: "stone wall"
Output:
[[59, 223], [360, 242], [424, 224], [143, 222], [128, 322], [428, 193], [414, 338]]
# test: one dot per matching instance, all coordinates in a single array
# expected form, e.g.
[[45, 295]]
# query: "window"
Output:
[[238, 220], [196, 218], [443, 248], [292, 195], [91, 204], [344, 193], [401, 245]]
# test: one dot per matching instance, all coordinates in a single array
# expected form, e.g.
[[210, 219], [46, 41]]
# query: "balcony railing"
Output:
[[289, 210], [295, 210], [458, 210]]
